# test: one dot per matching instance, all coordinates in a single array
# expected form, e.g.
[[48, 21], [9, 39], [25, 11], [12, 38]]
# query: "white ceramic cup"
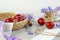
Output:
[[7, 29]]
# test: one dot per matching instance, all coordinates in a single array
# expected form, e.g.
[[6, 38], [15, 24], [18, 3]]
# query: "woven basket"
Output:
[[19, 25], [16, 25]]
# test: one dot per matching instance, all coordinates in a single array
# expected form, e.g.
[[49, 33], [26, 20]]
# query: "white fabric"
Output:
[[45, 37], [1, 30], [57, 15]]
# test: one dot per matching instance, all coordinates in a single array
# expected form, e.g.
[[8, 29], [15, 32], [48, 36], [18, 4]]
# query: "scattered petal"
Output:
[[30, 32], [58, 24], [11, 38]]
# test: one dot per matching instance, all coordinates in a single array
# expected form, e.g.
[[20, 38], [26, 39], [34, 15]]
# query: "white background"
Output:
[[27, 6]]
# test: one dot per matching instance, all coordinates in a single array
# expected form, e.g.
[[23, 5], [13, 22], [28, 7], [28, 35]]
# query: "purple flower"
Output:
[[43, 10], [57, 8], [30, 32], [24, 17], [58, 24], [11, 38], [51, 10], [30, 16], [1, 23]]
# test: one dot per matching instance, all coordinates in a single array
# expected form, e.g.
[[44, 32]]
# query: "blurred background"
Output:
[[27, 6]]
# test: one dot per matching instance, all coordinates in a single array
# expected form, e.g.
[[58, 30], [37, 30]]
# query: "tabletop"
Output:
[[23, 34]]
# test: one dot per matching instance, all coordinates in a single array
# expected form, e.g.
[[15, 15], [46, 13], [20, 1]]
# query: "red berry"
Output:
[[9, 20], [18, 17], [41, 21], [30, 24], [49, 25]]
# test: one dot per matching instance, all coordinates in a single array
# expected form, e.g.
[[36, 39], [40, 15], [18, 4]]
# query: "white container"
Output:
[[7, 29]]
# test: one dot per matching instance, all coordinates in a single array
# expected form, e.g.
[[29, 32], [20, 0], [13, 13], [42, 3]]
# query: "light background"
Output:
[[27, 6]]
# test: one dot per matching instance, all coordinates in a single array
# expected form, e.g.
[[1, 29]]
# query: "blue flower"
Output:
[[49, 8], [58, 25], [30, 32], [57, 8], [1, 23], [11, 38], [30, 16], [43, 10]]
